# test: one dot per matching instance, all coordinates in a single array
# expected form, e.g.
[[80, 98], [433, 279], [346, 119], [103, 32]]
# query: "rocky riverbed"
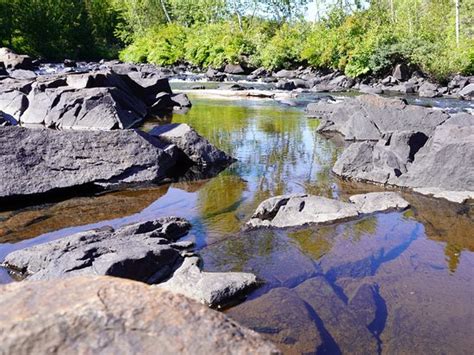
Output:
[[320, 262]]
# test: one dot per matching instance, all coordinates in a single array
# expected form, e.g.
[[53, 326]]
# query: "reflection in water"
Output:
[[389, 283]]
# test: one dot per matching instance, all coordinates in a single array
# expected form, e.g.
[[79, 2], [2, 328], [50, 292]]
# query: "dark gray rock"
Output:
[[181, 100], [210, 288], [141, 252], [70, 63], [401, 72], [285, 85], [441, 165], [370, 117], [11, 60], [43, 160], [196, 148], [215, 75], [106, 315], [87, 108]]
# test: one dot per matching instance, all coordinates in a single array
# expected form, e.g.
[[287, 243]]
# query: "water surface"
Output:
[[389, 283]]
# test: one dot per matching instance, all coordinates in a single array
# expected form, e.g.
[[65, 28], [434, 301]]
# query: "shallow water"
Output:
[[390, 283]]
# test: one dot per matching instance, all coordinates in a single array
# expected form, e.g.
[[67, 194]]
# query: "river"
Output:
[[389, 283]]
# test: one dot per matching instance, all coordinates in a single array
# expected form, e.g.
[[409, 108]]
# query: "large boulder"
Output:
[[87, 108], [299, 210], [196, 148], [13, 103], [429, 90], [370, 117], [441, 165], [142, 251], [113, 316], [210, 288], [36, 161], [12, 60]]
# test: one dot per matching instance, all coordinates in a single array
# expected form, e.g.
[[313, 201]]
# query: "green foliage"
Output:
[[284, 48], [56, 29]]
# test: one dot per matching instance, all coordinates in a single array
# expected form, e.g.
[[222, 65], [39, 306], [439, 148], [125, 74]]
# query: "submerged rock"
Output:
[[109, 315], [210, 288], [299, 210], [141, 251]]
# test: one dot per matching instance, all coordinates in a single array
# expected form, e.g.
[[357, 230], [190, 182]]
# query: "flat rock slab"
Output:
[[141, 251], [36, 161], [114, 316], [299, 210], [210, 288]]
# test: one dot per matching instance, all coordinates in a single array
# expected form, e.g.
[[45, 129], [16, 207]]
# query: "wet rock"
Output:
[[428, 90], [110, 315], [43, 160], [258, 73], [196, 148], [11, 60], [3, 71], [210, 288], [69, 63], [215, 75], [283, 318], [467, 92], [140, 251], [285, 85], [299, 210], [340, 321]]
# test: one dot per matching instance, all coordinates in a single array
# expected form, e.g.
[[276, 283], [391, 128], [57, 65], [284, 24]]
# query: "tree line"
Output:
[[357, 37]]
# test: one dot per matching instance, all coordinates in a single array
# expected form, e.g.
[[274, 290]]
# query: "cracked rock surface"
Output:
[[108, 315], [299, 210]]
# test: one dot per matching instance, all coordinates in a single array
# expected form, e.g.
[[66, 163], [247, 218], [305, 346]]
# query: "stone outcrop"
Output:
[[142, 251], [102, 99], [370, 117], [425, 149], [46, 161], [210, 288], [110, 315], [299, 210]]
